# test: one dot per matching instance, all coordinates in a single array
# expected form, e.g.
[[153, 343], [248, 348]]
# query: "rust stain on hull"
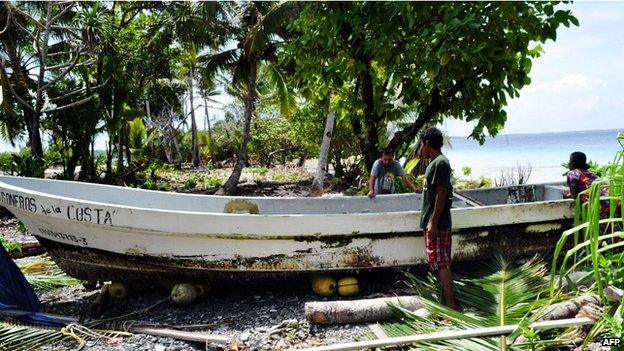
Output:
[[93, 264]]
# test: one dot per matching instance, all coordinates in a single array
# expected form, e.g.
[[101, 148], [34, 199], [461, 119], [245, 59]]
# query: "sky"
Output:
[[578, 81], [576, 84]]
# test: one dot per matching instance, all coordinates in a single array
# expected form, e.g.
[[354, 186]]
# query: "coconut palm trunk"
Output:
[[196, 158], [319, 179], [231, 186], [212, 155]]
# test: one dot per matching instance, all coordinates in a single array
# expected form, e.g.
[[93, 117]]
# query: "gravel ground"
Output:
[[257, 316]]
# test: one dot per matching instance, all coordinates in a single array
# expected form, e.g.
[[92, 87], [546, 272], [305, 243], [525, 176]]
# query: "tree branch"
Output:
[[78, 91], [62, 13], [23, 13], [26, 31], [67, 64], [13, 92], [434, 107], [65, 107], [65, 72], [8, 20]]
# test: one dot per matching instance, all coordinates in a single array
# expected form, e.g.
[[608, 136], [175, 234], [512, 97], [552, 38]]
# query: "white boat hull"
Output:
[[144, 235]]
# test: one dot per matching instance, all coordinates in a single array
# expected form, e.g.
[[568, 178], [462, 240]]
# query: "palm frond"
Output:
[[16, 336], [43, 274], [499, 294], [284, 98], [274, 19], [219, 62]]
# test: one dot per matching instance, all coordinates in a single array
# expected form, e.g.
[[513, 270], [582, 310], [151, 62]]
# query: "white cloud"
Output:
[[571, 83]]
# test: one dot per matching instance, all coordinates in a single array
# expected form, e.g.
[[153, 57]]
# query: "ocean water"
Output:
[[543, 152]]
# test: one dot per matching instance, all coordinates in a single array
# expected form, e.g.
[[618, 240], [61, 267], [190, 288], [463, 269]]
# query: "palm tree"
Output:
[[198, 26], [259, 26]]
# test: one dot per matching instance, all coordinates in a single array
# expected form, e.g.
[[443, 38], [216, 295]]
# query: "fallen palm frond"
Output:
[[499, 295], [44, 274], [15, 336]]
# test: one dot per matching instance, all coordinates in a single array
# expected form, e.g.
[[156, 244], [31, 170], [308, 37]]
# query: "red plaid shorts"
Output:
[[438, 249]]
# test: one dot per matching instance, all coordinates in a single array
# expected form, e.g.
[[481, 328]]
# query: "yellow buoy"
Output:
[[348, 286], [324, 285]]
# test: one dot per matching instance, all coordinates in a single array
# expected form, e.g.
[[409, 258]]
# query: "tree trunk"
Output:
[[127, 147], [371, 119], [195, 152], [35, 137], [357, 311], [302, 159], [231, 186], [338, 167], [319, 179], [120, 157], [108, 175], [211, 146]]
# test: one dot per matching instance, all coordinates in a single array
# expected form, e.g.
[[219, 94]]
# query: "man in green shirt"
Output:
[[435, 218]]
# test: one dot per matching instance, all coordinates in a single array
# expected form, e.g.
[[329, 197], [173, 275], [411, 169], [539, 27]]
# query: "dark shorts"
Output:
[[438, 249]]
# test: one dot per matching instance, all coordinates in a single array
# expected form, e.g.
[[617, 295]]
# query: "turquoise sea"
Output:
[[543, 152]]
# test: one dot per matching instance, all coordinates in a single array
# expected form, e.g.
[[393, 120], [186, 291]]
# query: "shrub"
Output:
[[164, 187], [27, 165], [6, 162], [149, 185], [213, 181], [191, 182]]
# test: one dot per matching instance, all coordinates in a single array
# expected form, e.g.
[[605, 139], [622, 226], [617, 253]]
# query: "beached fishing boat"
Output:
[[101, 232]]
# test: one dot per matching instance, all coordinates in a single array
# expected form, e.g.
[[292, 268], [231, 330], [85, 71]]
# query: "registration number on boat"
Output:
[[63, 236]]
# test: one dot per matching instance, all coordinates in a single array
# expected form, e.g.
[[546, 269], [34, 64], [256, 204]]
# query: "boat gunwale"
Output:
[[242, 215]]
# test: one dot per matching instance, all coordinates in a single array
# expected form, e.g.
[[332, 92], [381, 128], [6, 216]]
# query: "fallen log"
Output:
[[569, 308], [357, 311], [613, 293], [581, 306]]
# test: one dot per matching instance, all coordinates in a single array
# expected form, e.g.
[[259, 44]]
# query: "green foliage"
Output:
[[137, 133], [191, 182], [401, 187], [407, 61], [262, 171], [496, 293], [6, 162], [164, 186], [21, 227], [213, 181], [466, 171], [596, 243], [615, 324], [10, 246], [411, 164], [482, 182], [149, 185], [26, 164]]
